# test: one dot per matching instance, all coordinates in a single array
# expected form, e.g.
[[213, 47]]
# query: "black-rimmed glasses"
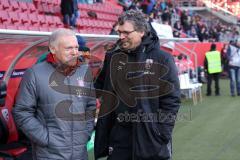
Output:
[[125, 33]]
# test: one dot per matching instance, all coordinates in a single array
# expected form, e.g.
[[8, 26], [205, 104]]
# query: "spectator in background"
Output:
[[164, 30], [144, 6], [76, 13], [150, 6], [203, 34], [163, 6], [213, 68], [193, 32], [125, 3], [135, 5], [224, 59], [213, 34], [166, 16], [233, 56], [184, 21], [69, 10], [177, 29]]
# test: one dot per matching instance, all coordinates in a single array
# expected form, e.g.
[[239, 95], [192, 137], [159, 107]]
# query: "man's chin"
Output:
[[125, 46], [71, 62]]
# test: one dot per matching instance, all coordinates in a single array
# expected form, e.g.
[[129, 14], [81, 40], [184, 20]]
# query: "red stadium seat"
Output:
[[44, 1], [2, 26], [49, 20], [25, 28], [44, 29], [40, 8], [57, 10], [42, 20], [45, 8], [91, 23], [31, 7], [83, 6], [56, 2], [24, 19], [23, 6], [33, 28], [51, 8], [51, 29], [14, 4], [37, 1], [5, 5], [48, 2], [33, 19], [99, 24], [4, 17], [12, 27], [85, 23], [14, 18], [57, 21], [83, 14]]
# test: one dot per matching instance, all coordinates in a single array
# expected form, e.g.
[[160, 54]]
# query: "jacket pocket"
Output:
[[59, 138], [149, 142]]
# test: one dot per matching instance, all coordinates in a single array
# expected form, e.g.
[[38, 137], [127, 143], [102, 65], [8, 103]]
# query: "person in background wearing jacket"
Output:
[[55, 106], [145, 82], [69, 11], [213, 67], [233, 58]]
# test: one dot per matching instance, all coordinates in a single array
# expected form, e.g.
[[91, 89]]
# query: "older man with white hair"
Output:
[[55, 105]]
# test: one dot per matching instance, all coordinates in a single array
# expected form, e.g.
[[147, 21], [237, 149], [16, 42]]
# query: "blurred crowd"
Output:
[[184, 23]]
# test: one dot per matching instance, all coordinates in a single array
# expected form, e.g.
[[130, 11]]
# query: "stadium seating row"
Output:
[[17, 6], [44, 15], [100, 16], [100, 8], [31, 19]]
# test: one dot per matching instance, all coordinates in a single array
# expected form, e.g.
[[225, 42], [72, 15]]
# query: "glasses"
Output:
[[125, 33]]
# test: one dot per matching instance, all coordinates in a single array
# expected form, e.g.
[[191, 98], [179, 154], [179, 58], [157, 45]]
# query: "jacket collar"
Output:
[[60, 67]]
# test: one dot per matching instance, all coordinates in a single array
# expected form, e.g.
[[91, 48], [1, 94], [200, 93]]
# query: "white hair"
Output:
[[57, 34]]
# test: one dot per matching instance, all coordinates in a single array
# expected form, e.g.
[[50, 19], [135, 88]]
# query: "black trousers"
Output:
[[121, 154], [215, 77], [121, 142]]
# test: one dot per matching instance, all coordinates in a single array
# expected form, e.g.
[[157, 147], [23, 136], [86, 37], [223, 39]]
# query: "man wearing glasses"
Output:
[[144, 80]]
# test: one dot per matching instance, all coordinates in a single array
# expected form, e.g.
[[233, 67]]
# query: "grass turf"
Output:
[[213, 133]]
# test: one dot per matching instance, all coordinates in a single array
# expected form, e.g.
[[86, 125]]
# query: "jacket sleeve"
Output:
[[105, 123], [99, 83], [169, 104], [91, 106], [25, 110], [103, 129], [91, 110], [229, 53], [205, 64]]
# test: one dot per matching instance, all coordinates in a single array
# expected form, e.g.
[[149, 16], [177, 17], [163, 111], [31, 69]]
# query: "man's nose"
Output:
[[74, 51], [122, 36]]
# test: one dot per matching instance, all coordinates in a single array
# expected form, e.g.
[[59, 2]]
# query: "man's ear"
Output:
[[52, 49], [142, 34]]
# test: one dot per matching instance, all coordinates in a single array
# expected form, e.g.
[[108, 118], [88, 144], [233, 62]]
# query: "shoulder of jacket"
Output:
[[163, 54], [40, 65]]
